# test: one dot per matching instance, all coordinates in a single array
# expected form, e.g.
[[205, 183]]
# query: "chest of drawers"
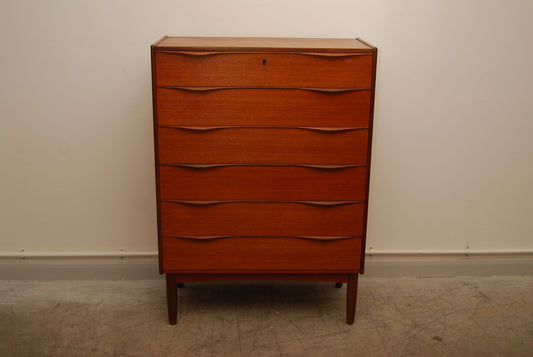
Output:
[[262, 158]]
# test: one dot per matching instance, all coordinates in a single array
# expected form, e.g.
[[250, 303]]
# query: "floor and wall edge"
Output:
[[144, 265]]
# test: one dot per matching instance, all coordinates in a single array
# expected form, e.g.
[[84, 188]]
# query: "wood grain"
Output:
[[261, 219], [262, 153], [172, 298], [248, 70], [261, 44], [351, 298], [369, 149], [264, 254], [260, 107], [262, 146], [156, 146], [269, 183], [262, 275]]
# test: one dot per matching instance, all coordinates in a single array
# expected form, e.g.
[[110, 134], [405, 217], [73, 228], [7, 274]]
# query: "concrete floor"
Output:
[[468, 316]]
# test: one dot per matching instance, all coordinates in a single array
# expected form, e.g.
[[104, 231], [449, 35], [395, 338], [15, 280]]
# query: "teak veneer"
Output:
[[262, 158]]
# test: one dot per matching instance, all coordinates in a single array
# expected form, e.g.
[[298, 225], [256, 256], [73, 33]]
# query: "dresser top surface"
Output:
[[258, 44]]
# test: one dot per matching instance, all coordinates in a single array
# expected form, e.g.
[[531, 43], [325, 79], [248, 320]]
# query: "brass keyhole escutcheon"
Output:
[[264, 61]]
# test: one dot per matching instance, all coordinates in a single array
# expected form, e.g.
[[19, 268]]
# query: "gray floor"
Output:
[[395, 317]]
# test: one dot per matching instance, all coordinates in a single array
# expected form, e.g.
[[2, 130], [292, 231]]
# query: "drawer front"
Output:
[[263, 70], [263, 146], [261, 219], [261, 254], [268, 183], [263, 107]]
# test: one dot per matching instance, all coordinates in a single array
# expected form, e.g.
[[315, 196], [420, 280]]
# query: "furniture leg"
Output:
[[172, 298], [351, 298]]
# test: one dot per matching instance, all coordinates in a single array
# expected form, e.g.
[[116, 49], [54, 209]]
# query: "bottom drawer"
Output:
[[227, 255]]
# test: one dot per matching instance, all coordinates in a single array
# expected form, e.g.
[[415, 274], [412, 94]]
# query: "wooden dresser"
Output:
[[262, 159]]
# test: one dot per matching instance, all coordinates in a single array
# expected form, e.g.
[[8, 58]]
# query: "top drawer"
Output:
[[293, 70]]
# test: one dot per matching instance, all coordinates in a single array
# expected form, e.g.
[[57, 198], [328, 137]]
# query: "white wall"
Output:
[[452, 159]]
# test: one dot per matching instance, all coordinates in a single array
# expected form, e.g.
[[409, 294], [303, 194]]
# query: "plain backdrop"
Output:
[[452, 157]]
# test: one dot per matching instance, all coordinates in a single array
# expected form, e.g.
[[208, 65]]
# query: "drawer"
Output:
[[214, 69], [263, 107], [261, 219], [261, 254], [244, 145], [270, 183]]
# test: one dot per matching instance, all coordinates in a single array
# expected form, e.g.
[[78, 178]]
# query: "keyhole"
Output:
[[264, 61]]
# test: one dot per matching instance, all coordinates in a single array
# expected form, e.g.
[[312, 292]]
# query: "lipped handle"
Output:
[[273, 53], [319, 90], [206, 238], [310, 203], [308, 166], [213, 128]]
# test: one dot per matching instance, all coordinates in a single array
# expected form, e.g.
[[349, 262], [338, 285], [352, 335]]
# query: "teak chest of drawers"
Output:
[[262, 159]]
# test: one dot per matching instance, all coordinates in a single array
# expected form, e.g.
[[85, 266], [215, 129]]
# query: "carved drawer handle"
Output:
[[205, 238], [319, 90], [214, 166], [334, 54], [329, 203], [310, 128], [334, 90], [273, 53], [194, 53], [310, 203]]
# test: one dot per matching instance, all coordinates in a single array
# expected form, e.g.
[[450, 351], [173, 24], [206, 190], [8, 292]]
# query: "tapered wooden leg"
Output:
[[172, 299], [351, 298]]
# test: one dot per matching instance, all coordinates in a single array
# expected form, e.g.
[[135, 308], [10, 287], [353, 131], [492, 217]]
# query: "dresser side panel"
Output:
[[156, 150]]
